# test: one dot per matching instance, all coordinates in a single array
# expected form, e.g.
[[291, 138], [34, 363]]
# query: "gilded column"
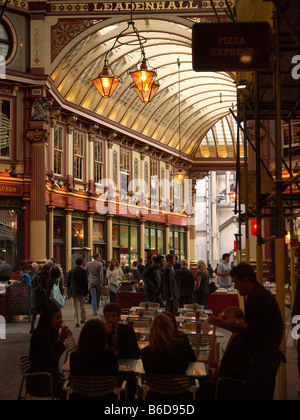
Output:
[[109, 219], [167, 238], [193, 234], [90, 226], [68, 239], [51, 230], [142, 238], [188, 245], [38, 137]]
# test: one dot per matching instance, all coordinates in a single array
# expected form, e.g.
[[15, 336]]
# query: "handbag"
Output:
[[57, 298], [113, 286]]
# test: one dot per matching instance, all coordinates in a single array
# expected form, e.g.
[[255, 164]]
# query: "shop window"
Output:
[[58, 150], [115, 236], [99, 232], [5, 128], [58, 234], [77, 234], [78, 156], [9, 236], [98, 161]]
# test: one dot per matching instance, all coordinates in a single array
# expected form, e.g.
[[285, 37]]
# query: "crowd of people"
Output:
[[252, 356]]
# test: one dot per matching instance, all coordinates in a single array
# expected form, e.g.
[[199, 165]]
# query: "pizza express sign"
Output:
[[239, 46]]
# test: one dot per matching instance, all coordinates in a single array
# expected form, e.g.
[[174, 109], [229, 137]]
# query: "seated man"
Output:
[[122, 340]]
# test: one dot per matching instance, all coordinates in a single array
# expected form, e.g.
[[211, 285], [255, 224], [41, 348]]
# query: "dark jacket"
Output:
[[77, 283], [127, 345], [162, 362], [93, 365], [45, 353], [170, 284], [186, 281], [153, 278]]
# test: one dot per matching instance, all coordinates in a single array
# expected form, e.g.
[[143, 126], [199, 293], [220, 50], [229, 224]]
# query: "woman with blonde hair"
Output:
[[165, 355], [202, 284]]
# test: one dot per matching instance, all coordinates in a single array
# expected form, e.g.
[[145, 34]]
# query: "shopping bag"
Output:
[[57, 298]]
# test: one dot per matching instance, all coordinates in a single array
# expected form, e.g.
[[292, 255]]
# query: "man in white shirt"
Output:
[[224, 270], [95, 273]]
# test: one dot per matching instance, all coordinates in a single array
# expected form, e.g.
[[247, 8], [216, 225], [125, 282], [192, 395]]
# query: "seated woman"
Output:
[[178, 334], [46, 348], [165, 355], [92, 357]]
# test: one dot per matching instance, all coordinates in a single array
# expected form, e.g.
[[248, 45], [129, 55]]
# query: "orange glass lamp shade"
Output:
[[106, 84], [144, 78], [147, 96], [179, 177], [233, 195]]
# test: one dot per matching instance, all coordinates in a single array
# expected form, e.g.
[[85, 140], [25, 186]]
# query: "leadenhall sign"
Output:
[[160, 6]]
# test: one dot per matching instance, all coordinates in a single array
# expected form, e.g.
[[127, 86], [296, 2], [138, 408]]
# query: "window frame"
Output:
[[80, 158], [10, 130]]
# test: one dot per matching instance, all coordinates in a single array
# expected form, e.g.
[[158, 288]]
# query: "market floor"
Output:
[[18, 340]]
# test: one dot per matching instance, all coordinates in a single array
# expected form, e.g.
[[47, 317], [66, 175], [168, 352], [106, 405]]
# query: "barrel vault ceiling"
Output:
[[207, 128]]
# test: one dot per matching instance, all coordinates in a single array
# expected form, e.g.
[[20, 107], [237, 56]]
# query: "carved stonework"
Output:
[[37, 136], [67, 29]]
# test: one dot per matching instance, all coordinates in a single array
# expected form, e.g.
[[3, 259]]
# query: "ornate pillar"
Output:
[[38, 137], [167, 238], [109, 219], [193, 233], [142, 238], [68, 240], [90, 227], [188, 244], [51, 231]]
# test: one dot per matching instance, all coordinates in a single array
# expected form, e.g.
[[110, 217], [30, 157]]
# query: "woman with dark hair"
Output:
[[92, 357], [46, 348]]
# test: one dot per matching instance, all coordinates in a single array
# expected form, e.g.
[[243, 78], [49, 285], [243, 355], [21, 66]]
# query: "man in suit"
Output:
[[186, 283], [5, 270], [78, 287], [95, 274], [122, 340], [171, 292]]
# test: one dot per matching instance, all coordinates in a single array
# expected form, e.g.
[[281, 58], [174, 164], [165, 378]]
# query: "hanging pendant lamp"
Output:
[[147, 96], [144, 78], [106, 83]]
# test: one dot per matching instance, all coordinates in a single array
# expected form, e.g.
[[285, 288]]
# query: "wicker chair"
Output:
[[201, 343], [24, 362], [168, 385], [94, 386], [71, 346]]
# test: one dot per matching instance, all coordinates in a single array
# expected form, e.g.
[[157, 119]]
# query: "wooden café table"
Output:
[[129, 299]]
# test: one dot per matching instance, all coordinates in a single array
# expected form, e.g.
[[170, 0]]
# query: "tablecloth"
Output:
[[129, 299]]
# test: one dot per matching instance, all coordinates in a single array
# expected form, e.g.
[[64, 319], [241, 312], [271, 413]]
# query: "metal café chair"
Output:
[[202, 343], [25, 363], [168, 385], [94, 386]]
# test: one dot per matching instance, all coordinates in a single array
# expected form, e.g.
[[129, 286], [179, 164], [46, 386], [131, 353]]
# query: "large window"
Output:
[[5, 128], [155, 237], [98, 161], [9, 236], [178, 241], [126, 240], [125, 172], [79, 156], [58, 151]]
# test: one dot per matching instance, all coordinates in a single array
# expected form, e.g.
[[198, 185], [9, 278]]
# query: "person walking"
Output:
[[186, 284], [114, 277], [78, 287], [95, 274], [153, 280]]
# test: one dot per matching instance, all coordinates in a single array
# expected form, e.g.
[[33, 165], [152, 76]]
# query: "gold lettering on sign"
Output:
[[147, 6]]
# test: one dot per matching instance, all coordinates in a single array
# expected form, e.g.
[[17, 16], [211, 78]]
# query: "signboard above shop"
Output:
[[243, 46]]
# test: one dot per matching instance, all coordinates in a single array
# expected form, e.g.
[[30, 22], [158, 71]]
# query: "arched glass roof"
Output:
[[205, 98]]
